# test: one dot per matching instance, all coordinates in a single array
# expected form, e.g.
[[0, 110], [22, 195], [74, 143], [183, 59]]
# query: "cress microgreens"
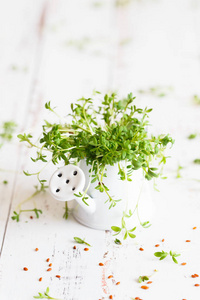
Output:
[[192, 136], [103, 132], [157, 91], [17, 215], [143, 279], [38, 190], [45, 295], [118, 242], [197, 161], [123, 227], [162, 255], [80, 241], [196, 99], [6, 131], [178, 171]]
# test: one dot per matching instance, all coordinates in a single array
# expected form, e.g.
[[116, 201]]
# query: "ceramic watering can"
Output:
[[71, 179]]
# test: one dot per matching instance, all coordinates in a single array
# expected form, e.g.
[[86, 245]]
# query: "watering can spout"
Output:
[[67, 183]]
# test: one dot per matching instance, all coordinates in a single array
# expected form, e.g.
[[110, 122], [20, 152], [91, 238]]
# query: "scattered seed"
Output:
[[149, 282], [101, 264], [49, 269], [58, 276], [194, 275], [50, 264], [188, 241], [36, 249], [25, 269], [196, 284], [118, 283], [31, 217], [48, 259], [163, 240], [194, 227], [74, 247], [110, 297], [86, 249], [157, 245], [40, 279], [144, 287], [183, 264], [110, 276], [141, 249]]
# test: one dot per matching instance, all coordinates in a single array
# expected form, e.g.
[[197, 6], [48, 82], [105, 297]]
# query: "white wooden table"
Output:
[[58, 51]]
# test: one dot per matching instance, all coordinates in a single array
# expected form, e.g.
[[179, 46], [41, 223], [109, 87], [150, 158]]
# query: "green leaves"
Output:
[[143, 279], [45, 295], [123, 227], [162, 255], [80, 241], [197, 161], [118, 242], [17, 215], [6, 131]]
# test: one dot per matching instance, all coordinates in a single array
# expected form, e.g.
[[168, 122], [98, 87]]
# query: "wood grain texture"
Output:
[[58, 51]]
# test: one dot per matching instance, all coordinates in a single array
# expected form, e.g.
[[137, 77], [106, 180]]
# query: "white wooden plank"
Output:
[[20, 36], [177, 207]]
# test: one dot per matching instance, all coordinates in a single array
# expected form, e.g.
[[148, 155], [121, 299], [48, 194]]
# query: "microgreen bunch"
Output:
[[104, 134], [45, 295], [162, 255]]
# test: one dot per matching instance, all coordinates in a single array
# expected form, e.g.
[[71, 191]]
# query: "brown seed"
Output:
[[196, 284], [157, 245], [163, 240], [110, 297], [40, 279], [144, 287], [194, 227], [50, 264], [48, 259], [149, 282], [25, 269], [141, 249], [36, 249], [118, 283], [188, 241], [58, 276], [31, 217], [74, 247], [86, 249], [183, 264], [110, 276], [49, 269], [101, 264]]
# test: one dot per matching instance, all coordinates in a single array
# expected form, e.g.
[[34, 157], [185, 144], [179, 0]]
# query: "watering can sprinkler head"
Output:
[[67, 181]]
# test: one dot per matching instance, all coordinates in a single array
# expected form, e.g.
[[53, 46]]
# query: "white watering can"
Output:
[[72, 179]]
